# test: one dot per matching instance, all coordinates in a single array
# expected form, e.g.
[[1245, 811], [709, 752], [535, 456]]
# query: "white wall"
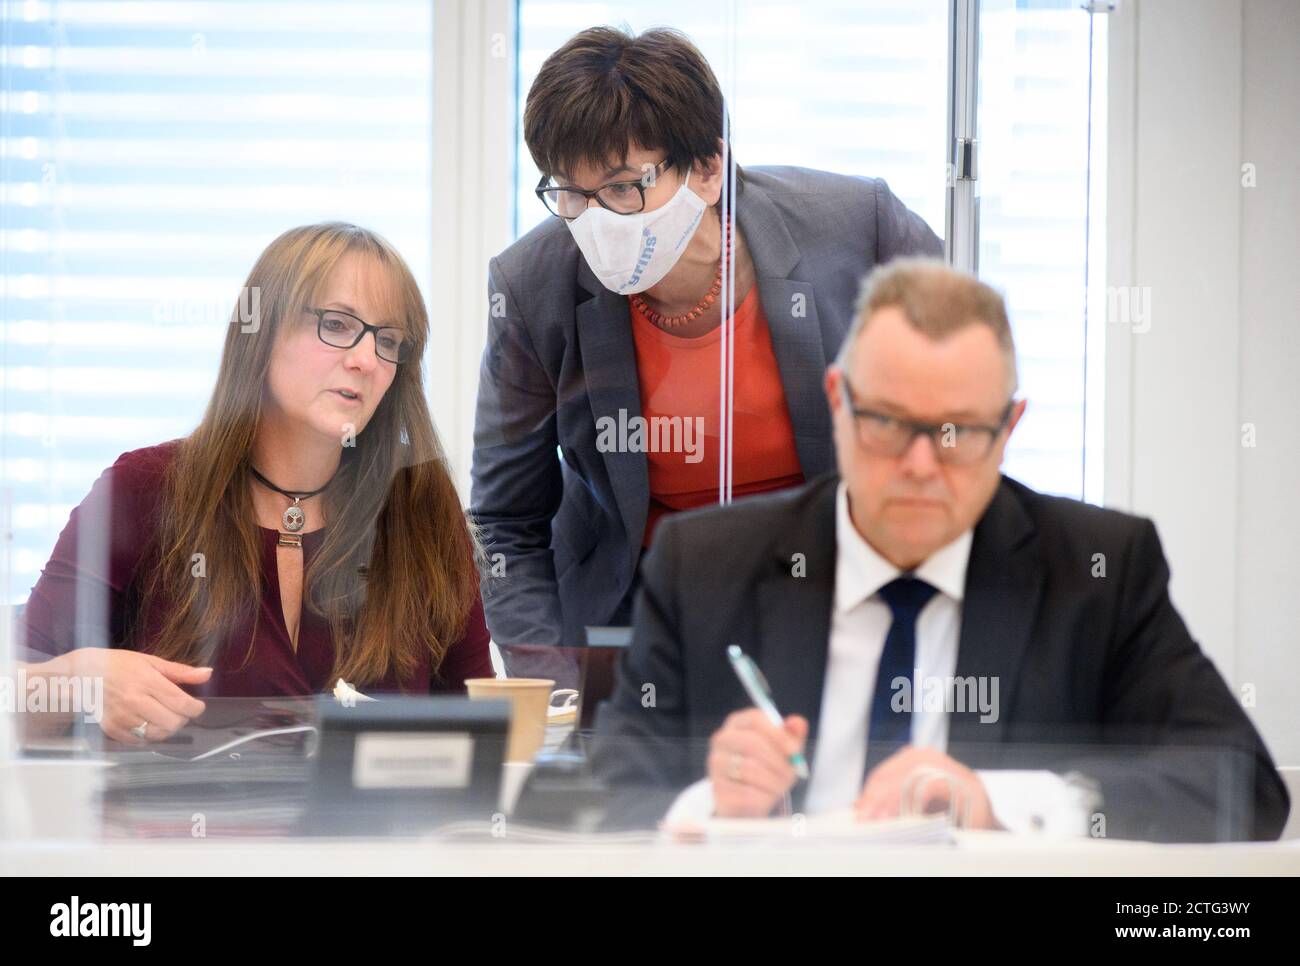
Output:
[[1268, 521], [1198, 89]]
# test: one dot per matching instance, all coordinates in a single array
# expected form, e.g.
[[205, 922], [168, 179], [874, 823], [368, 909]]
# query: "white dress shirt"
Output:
[[860, 621]]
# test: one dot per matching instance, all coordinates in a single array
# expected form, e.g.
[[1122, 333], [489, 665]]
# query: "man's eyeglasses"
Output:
[[343, 330], [954, 443], [620, 197]]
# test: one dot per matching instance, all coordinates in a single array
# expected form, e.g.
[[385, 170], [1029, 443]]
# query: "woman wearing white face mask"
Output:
[[605, 326]]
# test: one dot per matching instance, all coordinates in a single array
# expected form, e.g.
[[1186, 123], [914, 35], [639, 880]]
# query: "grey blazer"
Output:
[[561, 521]]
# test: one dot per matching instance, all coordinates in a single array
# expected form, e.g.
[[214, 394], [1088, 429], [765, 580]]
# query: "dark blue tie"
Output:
[[891, 729]]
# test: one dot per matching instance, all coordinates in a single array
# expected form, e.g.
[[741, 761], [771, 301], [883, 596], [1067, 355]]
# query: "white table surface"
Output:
[[38, 852], [974, 854]]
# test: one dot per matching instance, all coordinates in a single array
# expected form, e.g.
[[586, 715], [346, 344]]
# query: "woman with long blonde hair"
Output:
[[307, 530]]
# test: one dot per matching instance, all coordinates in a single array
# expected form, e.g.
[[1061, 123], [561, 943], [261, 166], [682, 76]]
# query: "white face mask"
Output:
[[631, 253]]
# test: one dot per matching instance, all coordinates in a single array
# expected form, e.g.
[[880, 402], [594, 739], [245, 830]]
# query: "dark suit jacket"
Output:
[[560, 356], [1096, 674]]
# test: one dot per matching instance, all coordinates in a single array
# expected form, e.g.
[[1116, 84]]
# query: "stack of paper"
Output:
[[835, 828]]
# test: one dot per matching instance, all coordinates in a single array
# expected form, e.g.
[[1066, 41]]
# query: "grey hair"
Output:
[[937, 301]]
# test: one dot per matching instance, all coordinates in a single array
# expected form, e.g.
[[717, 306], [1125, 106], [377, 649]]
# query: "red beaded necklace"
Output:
[[673, 321]]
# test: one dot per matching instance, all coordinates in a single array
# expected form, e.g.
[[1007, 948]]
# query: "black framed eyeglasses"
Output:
[[343, 330], [954, 443], [620, 197]]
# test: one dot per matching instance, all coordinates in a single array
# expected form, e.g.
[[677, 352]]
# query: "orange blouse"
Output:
[[680, 381]]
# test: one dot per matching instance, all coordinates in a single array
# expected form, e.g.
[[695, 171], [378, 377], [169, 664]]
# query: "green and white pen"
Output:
[[755, 685]]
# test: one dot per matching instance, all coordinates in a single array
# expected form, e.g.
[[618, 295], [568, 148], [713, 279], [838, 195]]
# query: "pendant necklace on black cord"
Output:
[[293, 518]]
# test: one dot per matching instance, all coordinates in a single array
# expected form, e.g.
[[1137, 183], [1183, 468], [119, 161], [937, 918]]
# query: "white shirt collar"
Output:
[[860, 571]]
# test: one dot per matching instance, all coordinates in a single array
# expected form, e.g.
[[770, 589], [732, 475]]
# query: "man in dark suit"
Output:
[[936, 634]]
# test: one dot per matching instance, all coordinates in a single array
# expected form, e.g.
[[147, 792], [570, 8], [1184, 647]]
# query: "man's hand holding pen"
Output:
[[750, 762], [751, 770]]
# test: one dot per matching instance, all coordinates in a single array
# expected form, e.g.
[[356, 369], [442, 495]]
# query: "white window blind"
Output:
[[854, 87], [1034, 195], [148, 152]]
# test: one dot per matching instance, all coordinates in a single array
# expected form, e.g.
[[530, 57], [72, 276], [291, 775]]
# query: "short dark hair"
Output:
[[607, 88]]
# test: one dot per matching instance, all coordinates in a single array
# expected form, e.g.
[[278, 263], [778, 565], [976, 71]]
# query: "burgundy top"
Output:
[[81, 599]]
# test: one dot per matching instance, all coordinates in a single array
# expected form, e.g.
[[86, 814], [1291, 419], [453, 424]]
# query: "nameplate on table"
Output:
[[396, 759]]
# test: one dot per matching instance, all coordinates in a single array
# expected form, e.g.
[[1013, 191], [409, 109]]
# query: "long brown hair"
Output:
[[396, 571]]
